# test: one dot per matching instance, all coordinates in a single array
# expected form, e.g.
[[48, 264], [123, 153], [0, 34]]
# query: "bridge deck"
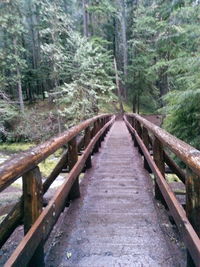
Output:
[[115, 222]]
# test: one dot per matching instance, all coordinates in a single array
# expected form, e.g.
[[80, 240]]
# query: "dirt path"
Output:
[[115, 222]]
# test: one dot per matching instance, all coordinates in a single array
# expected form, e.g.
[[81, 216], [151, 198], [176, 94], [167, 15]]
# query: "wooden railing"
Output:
[[156, 145], [38, 221]]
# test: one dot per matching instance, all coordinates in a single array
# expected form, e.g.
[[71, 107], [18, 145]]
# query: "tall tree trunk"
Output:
[[18, 81], [163, 83], [85, 18], [118, 88], [124, 38], [121, 43], [19, 85]]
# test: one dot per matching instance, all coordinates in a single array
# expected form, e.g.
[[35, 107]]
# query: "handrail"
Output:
[[188, 154], [151, 140], [15, 167]]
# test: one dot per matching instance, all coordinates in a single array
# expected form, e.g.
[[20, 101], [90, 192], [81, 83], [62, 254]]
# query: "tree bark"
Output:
[[121, 44], [85, 18], [19, 83], [118, 88]]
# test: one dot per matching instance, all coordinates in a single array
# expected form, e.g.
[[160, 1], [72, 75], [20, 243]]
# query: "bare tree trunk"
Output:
[[85, 18], [163, 83], [121, 43], [124, 38], [118, 88], [19, 83]]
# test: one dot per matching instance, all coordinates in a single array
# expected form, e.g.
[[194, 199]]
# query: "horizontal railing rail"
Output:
[[155, 144], [38, 221]]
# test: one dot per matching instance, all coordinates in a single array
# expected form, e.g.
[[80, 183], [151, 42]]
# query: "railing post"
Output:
[[132, 121], [135, 126], [193, 205], [103, 123], [145, 139], [99, 128], [72, 159], [96, 129], [32, 198], [158, 155], [87, 138], [139, 132]]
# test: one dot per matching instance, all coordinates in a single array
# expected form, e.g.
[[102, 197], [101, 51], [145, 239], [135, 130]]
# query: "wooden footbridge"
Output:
[[111, 218]]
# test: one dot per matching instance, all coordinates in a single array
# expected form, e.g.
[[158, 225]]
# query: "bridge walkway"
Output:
[[115, 222]]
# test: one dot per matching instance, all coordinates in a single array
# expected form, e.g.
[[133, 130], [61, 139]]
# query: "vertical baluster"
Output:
[[87, 139], [103, 123], [32, 198], [135, 126], [132, 121], [193, 205], [72, 159], [145, 139], [139, 132], [158, 156], [96, 129], [99, 128]]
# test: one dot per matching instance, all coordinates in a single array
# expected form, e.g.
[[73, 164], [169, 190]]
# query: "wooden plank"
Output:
[[45, 222], [15, 167], [189, 235]]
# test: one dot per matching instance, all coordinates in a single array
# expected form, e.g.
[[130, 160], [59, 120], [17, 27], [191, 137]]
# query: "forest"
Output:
[[62, 61]]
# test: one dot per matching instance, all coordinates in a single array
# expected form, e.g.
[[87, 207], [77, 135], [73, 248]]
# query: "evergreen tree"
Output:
[[92, 80], [13, 64]]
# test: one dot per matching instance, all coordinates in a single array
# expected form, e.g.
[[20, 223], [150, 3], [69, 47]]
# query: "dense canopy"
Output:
[[57, 63]]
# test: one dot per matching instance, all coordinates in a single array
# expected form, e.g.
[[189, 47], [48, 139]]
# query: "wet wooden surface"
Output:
[[115, 222]]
